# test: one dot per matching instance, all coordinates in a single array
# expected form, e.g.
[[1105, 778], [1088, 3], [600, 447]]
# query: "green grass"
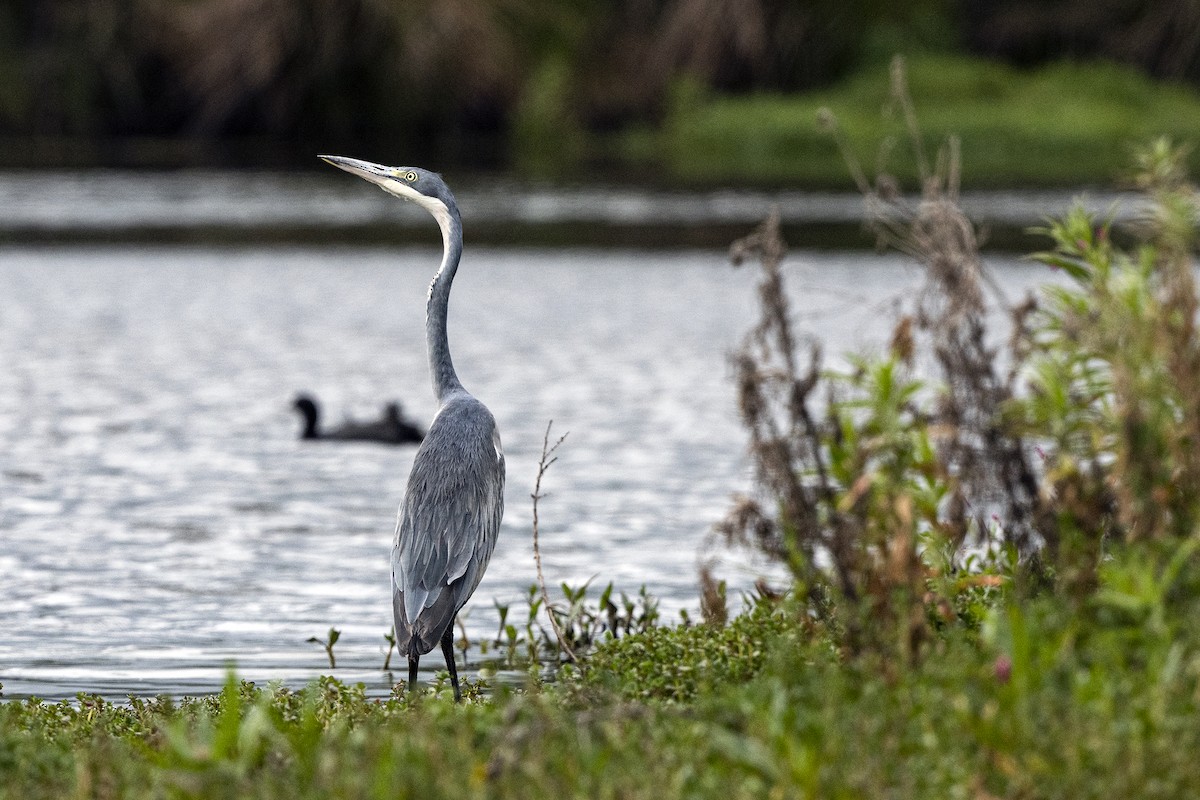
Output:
[[1065, 124], [1042, 703]]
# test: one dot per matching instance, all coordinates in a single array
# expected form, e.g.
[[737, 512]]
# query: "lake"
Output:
[[161, 520]]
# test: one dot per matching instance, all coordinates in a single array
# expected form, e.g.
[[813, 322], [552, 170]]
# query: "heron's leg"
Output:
[[448, 652], [413, 659]]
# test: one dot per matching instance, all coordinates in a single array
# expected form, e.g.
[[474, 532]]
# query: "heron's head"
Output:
[[425, 188]]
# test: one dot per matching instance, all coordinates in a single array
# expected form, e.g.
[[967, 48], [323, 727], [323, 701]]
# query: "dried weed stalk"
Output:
[[544, 461], [872, 502], [995, 486], [850, 498], [830, 504], [713, 608]]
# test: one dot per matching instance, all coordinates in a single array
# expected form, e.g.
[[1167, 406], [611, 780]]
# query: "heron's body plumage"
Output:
[[448, 522]]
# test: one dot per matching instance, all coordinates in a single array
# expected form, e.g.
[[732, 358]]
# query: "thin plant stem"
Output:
[[390, 636], [901, 96], [547, 458]]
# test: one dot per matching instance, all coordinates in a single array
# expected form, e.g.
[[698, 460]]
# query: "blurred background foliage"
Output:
[[547, 85]]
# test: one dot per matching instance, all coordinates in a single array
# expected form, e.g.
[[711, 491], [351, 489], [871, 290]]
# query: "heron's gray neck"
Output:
[[441, 368]]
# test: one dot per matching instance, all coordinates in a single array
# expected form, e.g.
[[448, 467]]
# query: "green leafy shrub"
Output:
[[678, 663], [1114, 376]]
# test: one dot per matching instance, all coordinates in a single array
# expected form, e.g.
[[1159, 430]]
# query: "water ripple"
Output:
[[161, 520]]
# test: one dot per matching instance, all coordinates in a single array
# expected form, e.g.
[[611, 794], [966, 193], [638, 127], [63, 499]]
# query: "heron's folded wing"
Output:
[[445, 535]]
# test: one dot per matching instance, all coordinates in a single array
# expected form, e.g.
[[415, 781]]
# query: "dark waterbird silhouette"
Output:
[[391, 428]]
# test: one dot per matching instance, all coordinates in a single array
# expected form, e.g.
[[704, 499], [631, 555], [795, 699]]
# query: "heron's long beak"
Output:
[[391, 181], [383, 177]]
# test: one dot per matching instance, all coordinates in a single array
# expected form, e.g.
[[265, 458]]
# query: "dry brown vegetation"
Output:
[[899, 490]]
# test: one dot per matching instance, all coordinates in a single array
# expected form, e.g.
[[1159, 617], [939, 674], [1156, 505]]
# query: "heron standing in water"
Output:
[[450, 517]]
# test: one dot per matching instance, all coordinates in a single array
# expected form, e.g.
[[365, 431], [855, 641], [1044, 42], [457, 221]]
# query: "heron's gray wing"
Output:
[[448, 523]]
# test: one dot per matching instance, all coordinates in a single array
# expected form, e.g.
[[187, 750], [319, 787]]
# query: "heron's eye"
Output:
[[410, 176]]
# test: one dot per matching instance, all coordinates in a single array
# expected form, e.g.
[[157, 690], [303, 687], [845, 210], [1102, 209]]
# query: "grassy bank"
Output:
[[1062, 125], [1040, 702]]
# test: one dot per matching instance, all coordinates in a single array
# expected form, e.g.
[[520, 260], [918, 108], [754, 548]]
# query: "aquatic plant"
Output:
[[328, 642], [390, 638]]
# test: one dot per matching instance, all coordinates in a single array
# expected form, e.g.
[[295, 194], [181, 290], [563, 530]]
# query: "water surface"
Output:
[[160, 519], [324, 204]]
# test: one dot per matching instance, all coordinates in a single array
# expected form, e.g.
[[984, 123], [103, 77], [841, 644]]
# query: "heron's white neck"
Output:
[[441, 367], [441, 213]]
